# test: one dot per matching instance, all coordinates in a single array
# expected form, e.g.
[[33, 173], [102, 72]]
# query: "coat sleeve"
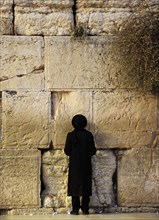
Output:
[[68, 146], [93, 148]]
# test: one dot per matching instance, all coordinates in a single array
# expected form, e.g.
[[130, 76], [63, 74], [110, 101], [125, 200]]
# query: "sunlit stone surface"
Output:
[[19, 178], [48, 73]]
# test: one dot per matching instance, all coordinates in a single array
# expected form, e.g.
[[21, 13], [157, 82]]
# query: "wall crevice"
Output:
[[74, 9], [0, 116], [115, 178], [13, 22], [4, 211], [118, 154]]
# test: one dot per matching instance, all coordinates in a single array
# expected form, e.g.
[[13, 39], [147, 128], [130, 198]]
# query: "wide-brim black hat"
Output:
[[79, 121]]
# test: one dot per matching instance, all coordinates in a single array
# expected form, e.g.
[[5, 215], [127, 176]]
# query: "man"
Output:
[[80, 148]]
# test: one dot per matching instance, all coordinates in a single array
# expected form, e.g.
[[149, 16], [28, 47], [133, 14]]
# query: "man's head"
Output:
[[79, 121]]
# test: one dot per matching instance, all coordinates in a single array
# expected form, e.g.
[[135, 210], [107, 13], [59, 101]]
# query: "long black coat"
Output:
[[80, 148]]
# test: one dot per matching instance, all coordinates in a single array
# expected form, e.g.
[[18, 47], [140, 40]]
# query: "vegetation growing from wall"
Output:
[[79, 32], [137, 50]]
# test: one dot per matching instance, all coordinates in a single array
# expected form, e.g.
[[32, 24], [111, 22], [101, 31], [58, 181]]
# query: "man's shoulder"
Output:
[[85, 131], [88, 132], [70, 133]]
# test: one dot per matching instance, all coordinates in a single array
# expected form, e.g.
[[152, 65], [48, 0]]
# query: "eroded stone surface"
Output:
[[25, 119], [124, 119], [29, 82], [138, 177], [103, 166], [22, 64], [43, 17], [87, 63], [77, 70], [6, 17], [55, 174], [64, 106], [0, 116], [19, 178], [106, 17]]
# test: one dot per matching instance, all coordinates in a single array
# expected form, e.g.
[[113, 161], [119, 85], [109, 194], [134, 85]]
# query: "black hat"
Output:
[[79, 121]]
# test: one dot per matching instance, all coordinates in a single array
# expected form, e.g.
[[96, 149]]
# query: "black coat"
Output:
[[80, 148]]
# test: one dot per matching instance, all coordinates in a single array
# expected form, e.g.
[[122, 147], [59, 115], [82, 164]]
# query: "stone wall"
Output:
[[46, 77], [0, 115]]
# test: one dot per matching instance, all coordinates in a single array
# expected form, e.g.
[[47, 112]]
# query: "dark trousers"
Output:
[[76, 203]]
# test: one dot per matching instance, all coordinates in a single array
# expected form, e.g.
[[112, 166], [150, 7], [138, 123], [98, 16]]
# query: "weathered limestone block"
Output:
[[138, 177], [64, 106], [105, 17], [103, 166], [22, 64], [54, 176], [31, 211], [0, 116], [43, 17], [19, 178], [29, 82], [6, 17], [124, 119], [25, 119], [83, 63]]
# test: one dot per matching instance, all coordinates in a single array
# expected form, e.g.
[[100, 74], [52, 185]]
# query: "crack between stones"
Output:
[[4, 211], [0, 116], [115, 179], [43, 188], [13, 11], [74, 8], [11, 93], [39, 70], [118, 154]]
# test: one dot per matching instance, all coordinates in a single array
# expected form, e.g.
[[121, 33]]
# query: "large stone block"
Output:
[[64, 106], [54, 176], [104, 167], [74, 63], [0, 116], [43, 17], [106, 17], [22, 64], [138, 177], [26, 119], [124, 118], [19, 178], [6, 17]]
